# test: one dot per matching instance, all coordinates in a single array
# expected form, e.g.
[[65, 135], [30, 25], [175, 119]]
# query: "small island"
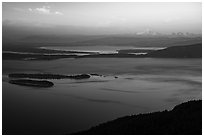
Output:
[[32, 83], [48, 76]]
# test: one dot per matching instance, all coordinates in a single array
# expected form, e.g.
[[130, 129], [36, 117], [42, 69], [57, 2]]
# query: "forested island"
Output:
[[48, 76], [27, 79], [32, 83]]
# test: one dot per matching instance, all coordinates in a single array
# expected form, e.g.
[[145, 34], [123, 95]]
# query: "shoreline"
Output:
[[187, 51]]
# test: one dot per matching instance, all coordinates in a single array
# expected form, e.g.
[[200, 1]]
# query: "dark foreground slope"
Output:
[[184, 119], [187, 51]]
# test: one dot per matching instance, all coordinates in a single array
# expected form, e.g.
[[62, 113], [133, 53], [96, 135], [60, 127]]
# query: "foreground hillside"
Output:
[[187, 51], [184, 119]]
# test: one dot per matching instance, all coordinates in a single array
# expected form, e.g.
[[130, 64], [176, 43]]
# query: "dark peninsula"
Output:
[[183, 119], [187, 51]]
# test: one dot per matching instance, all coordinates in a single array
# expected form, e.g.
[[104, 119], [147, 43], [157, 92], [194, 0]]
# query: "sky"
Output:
[[102, 18]]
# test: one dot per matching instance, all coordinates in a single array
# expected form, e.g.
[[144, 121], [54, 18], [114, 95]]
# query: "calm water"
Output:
[[98, 48], [143, 85]]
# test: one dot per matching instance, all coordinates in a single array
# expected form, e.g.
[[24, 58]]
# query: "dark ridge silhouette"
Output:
[[188, 51], [33, 83], [184, 119], [139, 41], [48, 76]]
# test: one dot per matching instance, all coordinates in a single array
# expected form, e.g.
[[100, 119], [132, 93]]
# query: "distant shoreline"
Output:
[[187, 51]]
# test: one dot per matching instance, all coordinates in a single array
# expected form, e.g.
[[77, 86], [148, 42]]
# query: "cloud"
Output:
[[45, 10], [58, 13], [30, 9]]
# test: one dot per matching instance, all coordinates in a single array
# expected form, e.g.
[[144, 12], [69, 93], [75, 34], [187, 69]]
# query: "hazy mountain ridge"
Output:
[[109, 40], [78, 35], [142, 41]]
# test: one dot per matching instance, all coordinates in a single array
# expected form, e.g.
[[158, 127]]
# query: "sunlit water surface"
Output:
[[141, 85]]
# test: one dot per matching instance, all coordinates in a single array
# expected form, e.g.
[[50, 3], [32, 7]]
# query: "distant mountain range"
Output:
[[69, 34], [150, 33], [108, 38]]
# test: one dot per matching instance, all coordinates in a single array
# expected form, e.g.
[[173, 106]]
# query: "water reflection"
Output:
[[143, 85]]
